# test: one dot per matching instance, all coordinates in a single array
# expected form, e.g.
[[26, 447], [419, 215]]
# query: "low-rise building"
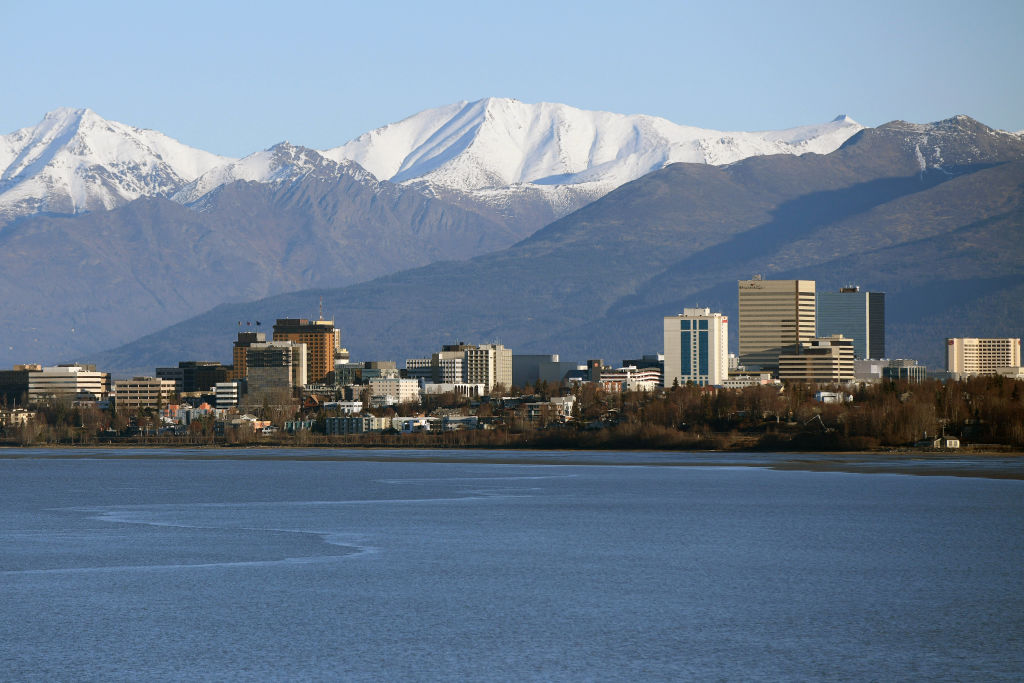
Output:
[[458, 389], [142, 392], [556, 409], [1015, 372], [344, 407], [229, 393], [905, 369], [401, 390], [741, 381], [355, 424], [822, 360], [75, 381], [631, 379], [15, 417]]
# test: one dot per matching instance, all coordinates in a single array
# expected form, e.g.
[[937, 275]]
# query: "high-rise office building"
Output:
[[142, 392], [239, 368], [322, 340], [696, 348], [973, 356], [275, 365], [857, 315], [488, 364], [776, 316]]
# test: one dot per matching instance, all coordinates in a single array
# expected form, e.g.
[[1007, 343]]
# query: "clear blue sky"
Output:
[[233, 78]]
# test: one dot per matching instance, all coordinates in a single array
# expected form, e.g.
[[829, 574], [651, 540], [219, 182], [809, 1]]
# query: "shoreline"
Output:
[[986, 465]]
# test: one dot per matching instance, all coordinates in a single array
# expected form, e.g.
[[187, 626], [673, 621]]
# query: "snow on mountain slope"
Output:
[[283, 162], [548, 159], [495, 143], [74, 161]]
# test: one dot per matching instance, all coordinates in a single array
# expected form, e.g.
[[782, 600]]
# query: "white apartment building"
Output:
[[973, 356], [401, 390], [143, 392], [490, 365], [76, 382], [696, 348]]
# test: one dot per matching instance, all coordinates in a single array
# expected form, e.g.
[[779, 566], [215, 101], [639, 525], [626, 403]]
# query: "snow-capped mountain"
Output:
[[75, 160], [282, 163], [490, 146], [529, 162]]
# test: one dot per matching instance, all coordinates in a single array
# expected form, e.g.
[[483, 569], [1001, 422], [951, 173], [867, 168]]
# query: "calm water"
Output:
[[213, 569]]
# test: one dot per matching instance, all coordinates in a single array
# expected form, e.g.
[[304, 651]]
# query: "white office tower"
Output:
[[696, 348]]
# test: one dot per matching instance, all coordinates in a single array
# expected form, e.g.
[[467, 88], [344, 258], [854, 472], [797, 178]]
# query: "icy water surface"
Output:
[[224, 569]]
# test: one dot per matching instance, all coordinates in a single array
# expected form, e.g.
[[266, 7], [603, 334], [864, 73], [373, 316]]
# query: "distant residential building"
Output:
[[938, 442], [822, 360], [229, 393], [322, 340], [857, 315], [355, 424], [400, 391], [15, 417], [74, 381], [696, 348], [832, 397], [345, 407], [775, 317], [905, 369], [974, 356], [142, 392], [556, 409]]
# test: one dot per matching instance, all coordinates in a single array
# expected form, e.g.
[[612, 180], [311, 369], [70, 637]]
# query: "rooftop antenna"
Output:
[[321, 307]]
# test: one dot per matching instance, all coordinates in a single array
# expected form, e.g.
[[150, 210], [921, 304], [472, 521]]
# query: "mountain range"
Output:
[[931, 214], [108, 232]]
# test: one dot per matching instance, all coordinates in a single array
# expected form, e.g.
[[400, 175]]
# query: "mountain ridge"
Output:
[[946, 243]]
